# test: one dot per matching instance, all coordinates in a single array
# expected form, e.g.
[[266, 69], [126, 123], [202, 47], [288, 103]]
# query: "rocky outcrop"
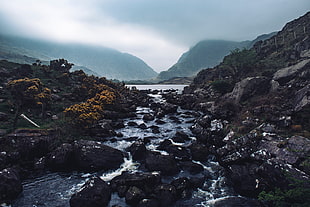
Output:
[[288, 73], [94, 193], [247, 88], [92, 155]]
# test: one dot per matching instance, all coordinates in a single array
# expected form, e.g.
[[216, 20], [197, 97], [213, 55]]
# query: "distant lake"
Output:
[[158, 87]]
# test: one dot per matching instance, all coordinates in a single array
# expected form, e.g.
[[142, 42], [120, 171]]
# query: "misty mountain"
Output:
[[205, 54], [106, 62]]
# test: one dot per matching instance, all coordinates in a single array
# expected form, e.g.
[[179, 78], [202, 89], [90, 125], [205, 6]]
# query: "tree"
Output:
[[28, 93]]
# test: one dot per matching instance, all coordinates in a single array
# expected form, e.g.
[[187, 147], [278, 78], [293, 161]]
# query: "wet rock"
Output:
[[10, 185], [179, 152], [132, 123], [137, 150], [148, 117], [163, 163], [62, 158], [134, 195], [180, 137], [169, 108], [166, 194], [142, 126], [92, 156], [143, 180], [94, 193], [191, 167], [148, 203], [155, 129], [199, 152], [183, 187]]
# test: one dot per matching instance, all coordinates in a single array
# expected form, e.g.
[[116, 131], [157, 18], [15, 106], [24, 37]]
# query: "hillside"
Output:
[[205, 54], [106, 62], [256, 110]]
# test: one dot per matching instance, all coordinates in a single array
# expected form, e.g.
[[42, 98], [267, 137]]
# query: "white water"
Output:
[[55, 189]]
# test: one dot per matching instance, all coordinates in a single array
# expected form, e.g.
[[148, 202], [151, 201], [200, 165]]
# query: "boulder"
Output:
[[180, 137], [166, 194], [163, 163], [94, 193], [179, 152], [248, 88], [183, 187], [10, 185], [62, 158], [286, 74], [137, 150], [191, 167], [199, 152], [143, 180], [148, 117], [302, 98], [93, 156], [168, 108], [134, 195]]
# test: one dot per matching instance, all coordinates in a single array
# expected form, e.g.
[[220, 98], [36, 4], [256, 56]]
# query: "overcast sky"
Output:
[[157, 31]]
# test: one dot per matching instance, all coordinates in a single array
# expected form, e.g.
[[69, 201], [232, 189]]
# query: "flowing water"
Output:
[[55, 189]]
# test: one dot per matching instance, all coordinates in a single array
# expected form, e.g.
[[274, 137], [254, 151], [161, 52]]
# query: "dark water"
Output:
[[55, 189]]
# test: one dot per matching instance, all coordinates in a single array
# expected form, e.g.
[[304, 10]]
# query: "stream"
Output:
[[55, 189]]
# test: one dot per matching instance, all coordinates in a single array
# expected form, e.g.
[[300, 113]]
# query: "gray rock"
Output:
[[94, 193], [285, 74]]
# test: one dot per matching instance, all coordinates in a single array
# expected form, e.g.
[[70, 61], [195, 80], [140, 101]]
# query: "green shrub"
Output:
[[222, 86]]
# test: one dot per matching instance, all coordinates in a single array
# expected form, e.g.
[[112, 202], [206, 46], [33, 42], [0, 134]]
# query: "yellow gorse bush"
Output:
[[87, 113]]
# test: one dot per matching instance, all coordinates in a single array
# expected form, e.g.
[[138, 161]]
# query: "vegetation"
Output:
[[52, 95], [298, 195]]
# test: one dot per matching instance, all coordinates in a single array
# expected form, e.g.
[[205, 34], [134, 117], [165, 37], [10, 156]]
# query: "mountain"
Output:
[[104, 61], [205, 54]]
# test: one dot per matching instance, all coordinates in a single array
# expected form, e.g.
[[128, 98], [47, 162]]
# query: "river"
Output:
[[55, 189]]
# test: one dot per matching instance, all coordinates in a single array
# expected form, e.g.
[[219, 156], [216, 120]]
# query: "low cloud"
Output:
[[156, 31]]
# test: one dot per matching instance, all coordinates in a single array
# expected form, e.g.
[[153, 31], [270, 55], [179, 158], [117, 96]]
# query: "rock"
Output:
[[248, 88], [183, 187], [10, 185], [94, 193], [199, 152], [166, 194], [286, 74], [93, 156], [62, 158], [191, 167], [137, 150], [179, 152], [180, 137], [148, 117], [4, 116], [163, 163], [31, 143], [132, 123], [302, 98], [134, 195], [143, 180], [148, 203], [142, 126], [168, 108]]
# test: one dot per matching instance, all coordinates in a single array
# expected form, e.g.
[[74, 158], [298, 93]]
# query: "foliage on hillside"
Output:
[[52, 94]]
